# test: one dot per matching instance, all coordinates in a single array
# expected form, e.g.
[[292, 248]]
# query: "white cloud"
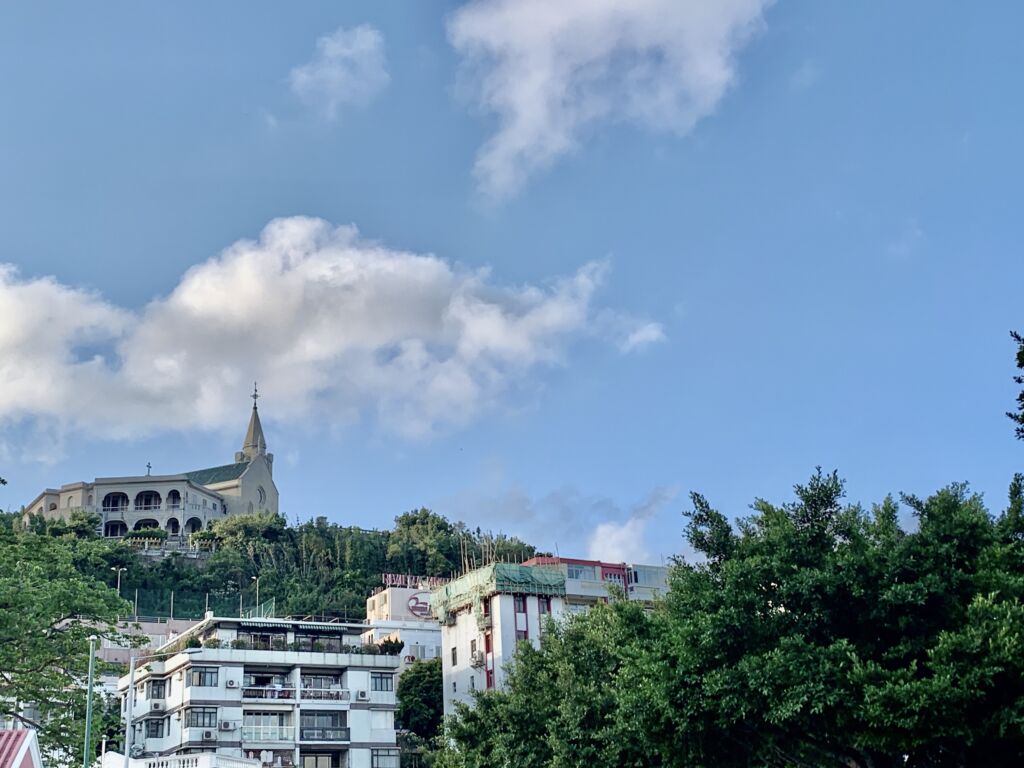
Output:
[[642, 336], [625, 541], [567, 521], [332, 326], [550, 69], [348, 67]]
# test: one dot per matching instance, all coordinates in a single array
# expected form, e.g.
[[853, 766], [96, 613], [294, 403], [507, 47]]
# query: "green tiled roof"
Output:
[[217, 474]]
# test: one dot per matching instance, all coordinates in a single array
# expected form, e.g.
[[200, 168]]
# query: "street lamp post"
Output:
[[257, 580], [129, 729], [88, 701], [119, 572]]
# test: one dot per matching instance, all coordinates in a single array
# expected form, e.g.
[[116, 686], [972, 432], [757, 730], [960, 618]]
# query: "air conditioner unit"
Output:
[[209, 735], [477, 659], [232, 683], [226, 725], [362, 696]]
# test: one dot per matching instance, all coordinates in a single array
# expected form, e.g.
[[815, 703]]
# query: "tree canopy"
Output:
[[811, 633], [420, 704], [48, 610], [1018, 417]]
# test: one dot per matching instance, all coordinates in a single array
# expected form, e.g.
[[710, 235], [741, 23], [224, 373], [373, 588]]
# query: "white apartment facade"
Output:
[[486, 613], [403, 614], [282, 692]]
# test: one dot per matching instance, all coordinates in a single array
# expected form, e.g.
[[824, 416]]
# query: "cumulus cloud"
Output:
[[625, 541], [550, 69], [329, 323], [348, 67], [567, 521]]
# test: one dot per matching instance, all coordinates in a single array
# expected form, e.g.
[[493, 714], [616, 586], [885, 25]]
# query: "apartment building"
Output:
[[587, 581], [486, 613], [284, 692], [403, 614]]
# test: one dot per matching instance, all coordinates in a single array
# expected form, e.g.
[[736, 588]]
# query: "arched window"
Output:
[[262, 497], [194, 524], [115, 528], [146, 500], [173, 527], [174, 499], [146, 523], [115, 502], [67, 502], [53, 505]]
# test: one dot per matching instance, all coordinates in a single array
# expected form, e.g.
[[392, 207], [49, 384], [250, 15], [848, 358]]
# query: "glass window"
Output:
[[519, 603], [580, 571], [158, 689], [544, 605], [521, 635], [204, 677], [455, 656], [384, 758], [472, 647], [201, 717], [155, 729], [382, 681]]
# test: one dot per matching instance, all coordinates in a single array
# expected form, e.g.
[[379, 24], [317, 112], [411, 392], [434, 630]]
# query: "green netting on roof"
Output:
[[217, 474], [504, 578]]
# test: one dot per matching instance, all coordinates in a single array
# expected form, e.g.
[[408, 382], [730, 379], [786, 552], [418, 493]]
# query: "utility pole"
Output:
[[88, 703]]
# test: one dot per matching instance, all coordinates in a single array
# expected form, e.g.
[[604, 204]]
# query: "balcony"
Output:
[[325, 734], [252, 733], [327, 694], [267, 692]]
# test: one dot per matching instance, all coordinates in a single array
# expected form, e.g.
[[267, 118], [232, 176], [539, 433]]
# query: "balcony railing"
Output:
[[268, 733], [327, 694], [267, 692], [325, 734]]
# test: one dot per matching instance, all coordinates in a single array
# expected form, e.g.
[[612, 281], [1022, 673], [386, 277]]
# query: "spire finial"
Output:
[[255, 395], [149, 468]]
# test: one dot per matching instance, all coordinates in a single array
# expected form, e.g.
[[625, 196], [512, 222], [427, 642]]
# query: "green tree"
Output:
[[1018, 417], [815, 633], [48, 611], [420, 702]]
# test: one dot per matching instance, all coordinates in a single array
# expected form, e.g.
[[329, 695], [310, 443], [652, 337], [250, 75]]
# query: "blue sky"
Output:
[[607, 253]]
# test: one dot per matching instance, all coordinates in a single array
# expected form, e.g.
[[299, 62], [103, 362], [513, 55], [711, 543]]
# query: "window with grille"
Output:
[[382, 681], [384, 758], [201, 717]]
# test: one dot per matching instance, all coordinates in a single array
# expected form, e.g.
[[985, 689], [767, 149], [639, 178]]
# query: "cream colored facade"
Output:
[[179, 504]]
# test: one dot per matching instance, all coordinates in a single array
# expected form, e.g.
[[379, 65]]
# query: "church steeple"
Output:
[[255, 443]]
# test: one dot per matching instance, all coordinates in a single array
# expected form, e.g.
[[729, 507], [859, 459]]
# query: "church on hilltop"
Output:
[[178, 504]]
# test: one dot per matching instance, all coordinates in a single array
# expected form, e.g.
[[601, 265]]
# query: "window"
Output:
[[317, 761], [580, 572], [384, 758], [519, 603], [262, 494], [155, 729], [157, 689], [455, 688], [490, 678], [487, 643], [201, 717], [202, 677], [472, 682], [382, 681], [521, 635], [472, 647], [486, 604], [615, 578], [455, 656]]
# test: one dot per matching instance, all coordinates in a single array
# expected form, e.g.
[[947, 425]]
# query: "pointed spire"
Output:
[[255, 443]]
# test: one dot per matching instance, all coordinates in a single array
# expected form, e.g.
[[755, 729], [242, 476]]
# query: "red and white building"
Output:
[[486, 613]]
